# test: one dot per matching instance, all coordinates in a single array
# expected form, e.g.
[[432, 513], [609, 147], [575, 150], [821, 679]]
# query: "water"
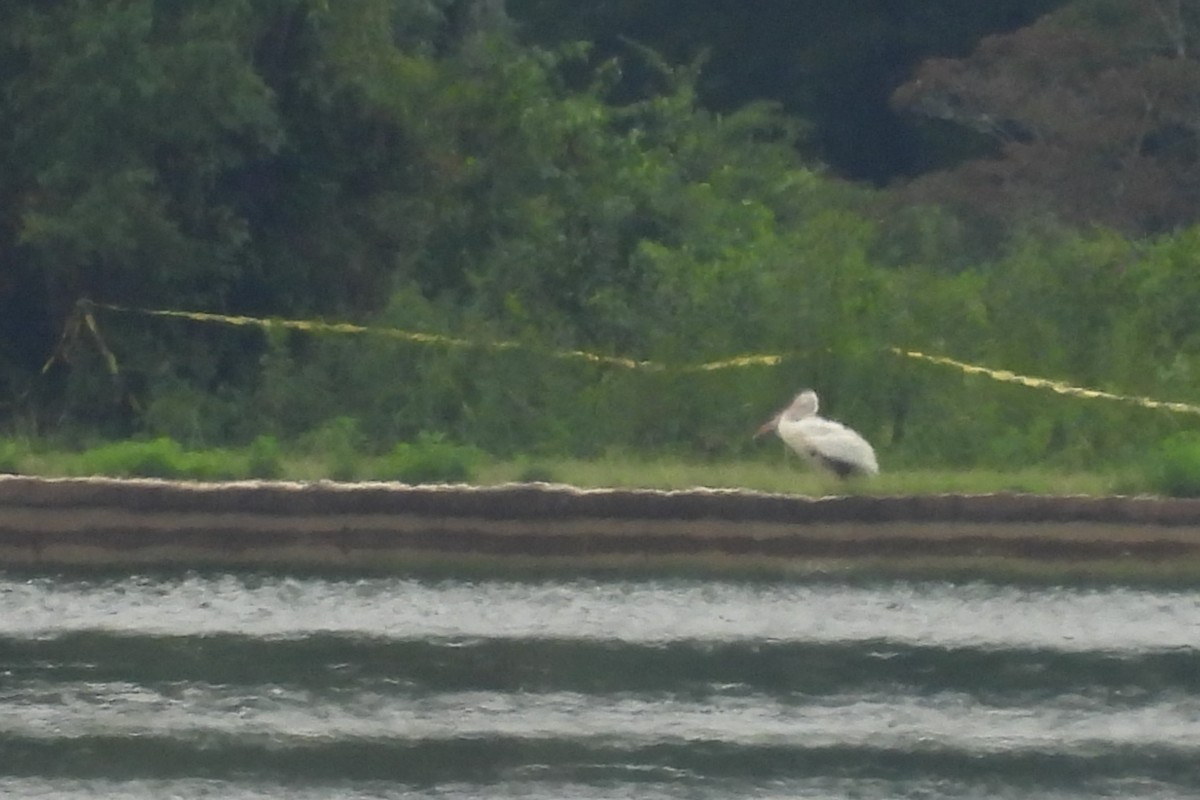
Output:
[[251, 686]]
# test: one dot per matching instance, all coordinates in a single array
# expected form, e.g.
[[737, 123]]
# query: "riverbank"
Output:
[[387, 526]]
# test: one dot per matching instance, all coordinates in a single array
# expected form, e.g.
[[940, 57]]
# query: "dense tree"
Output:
[[416, 164], [1095, 110], [121, 123], [830, 62], [122, 175], [251, 157]]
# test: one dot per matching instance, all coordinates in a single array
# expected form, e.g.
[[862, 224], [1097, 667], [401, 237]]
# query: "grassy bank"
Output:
[[791, 477], [433, 460]]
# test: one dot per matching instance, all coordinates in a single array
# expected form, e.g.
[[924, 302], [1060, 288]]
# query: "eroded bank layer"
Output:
[[383, 525]]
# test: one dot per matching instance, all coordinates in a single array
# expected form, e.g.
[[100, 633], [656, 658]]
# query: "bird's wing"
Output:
[[833, 441]]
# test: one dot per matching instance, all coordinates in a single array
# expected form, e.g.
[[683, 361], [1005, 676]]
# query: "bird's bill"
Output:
[[768, 426]]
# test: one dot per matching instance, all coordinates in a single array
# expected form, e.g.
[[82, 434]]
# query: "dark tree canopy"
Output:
[[1094, 111], [546, 213], [831, 62]]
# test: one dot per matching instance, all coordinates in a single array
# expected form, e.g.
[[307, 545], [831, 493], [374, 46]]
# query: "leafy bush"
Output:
[[156, 458], [263, 458], [537, 473], [192, 415], [10, 455], [165, 458], [1175, 470], [211, 465], [339, 442], [430, 459]]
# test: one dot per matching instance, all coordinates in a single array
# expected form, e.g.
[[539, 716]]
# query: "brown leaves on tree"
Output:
[[1095, 115]]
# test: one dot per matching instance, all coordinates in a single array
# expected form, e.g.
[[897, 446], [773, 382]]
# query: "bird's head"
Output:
[[804, 405]]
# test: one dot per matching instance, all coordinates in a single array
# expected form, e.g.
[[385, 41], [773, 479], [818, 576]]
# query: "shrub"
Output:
[[156, 458], [1175, 470], [430, 459], [165, 458], [263, 458], [10, 458], [211, 465], [339, 442], [537, 473]]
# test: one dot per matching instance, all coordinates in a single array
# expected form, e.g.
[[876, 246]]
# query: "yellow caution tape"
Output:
[[314, 326], [740, 361], [1045, 383], [756, 360]]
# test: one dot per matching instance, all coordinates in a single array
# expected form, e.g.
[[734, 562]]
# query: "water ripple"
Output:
[[255, 686]]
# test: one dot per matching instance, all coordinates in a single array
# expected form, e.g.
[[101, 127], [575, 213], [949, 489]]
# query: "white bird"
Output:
[[822, 442]]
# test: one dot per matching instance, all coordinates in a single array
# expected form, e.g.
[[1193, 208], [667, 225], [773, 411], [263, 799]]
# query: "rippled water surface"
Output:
[[244, 686]]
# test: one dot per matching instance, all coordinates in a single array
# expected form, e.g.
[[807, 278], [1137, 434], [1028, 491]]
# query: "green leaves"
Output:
[[1174, 468], [130, 116], [372, 159]]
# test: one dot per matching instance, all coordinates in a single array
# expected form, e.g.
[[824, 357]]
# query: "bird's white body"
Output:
[[822, 442]]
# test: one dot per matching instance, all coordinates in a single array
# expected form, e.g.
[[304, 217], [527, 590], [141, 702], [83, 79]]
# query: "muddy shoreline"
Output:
[[98, 521]]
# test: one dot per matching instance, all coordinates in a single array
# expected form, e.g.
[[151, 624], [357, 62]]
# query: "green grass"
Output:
[[430, 459], [792, 478], [1176, 469], [11, 456]]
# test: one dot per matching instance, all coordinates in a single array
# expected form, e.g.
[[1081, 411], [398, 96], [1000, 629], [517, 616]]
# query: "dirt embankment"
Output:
[[104, 521]]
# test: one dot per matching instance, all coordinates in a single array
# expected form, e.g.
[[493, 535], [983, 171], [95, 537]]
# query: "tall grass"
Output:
[[430, 459], [11, 453], [433, 459], [155, 458], [790, 477], [1175, 469]]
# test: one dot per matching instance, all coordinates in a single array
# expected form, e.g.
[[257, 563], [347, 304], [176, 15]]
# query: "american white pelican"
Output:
[[822, 442]]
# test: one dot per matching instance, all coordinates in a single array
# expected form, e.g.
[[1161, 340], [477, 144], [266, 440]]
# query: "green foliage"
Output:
[[430, 459], [157, 458], [1175, 469], [11, 453], [165, 458], [263, 458], [339, 443], [1167, 311], [185, 412], [537, 472], [510, 207], [832, 67], [124, 173]]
